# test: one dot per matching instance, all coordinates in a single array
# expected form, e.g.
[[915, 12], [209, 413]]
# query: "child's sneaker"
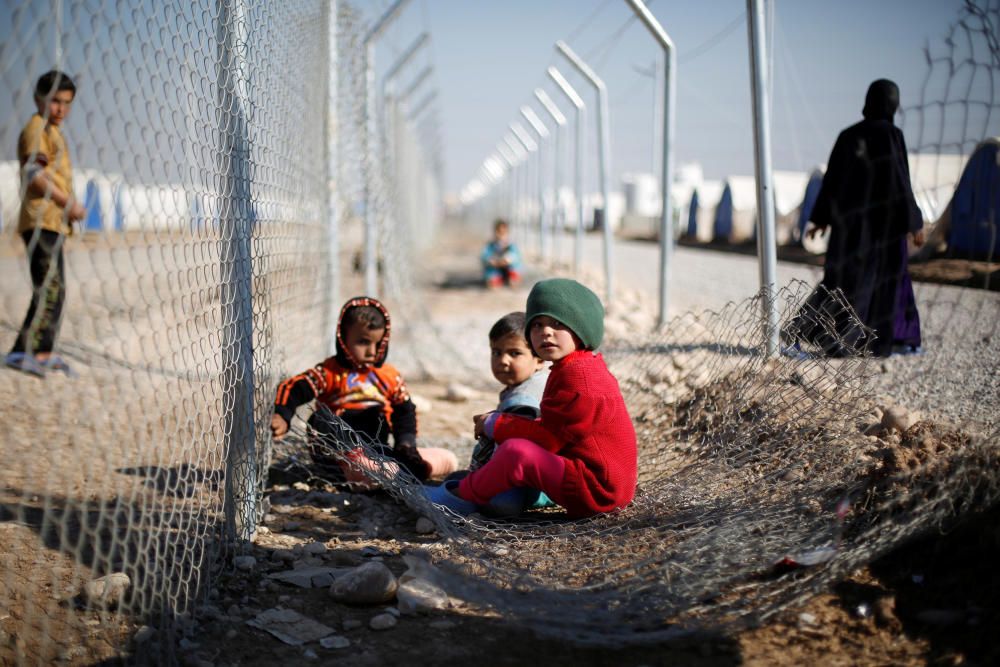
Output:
[[512, 502], [445, 496], [56, 363], [24, 362]]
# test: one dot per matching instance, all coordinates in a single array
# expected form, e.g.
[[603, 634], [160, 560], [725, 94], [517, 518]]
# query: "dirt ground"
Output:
[[930, 602]]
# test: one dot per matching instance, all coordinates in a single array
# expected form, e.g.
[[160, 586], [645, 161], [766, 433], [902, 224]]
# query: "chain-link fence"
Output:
[[217, 150], [224, 153]]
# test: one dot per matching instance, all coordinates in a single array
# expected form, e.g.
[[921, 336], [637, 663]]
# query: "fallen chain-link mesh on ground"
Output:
[[761, 481]]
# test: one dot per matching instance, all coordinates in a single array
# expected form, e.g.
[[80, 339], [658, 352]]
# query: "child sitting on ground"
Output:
[[356, 390], [500, 258], [523, 375], [582, 450]]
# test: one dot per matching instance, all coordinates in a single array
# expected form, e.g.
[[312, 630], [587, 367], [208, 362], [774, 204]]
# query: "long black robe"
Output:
[[867, 201]]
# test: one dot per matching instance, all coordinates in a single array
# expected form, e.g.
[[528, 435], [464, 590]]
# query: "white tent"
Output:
[[10, 198], [701, 209], [736, 211], [934, 177], [789, 191]]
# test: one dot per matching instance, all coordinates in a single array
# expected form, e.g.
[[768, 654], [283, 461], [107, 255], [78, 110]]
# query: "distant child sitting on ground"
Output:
[[48, 210], [581, 451], [500, 258], [367, 395]]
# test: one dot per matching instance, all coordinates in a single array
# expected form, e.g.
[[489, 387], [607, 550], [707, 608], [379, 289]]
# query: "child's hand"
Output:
[[479, 422], [76, 211], [279, 427]]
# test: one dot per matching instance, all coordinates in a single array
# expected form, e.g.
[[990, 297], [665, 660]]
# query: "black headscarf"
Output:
[[882, 100]]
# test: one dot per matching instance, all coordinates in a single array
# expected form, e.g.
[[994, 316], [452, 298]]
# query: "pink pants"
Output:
[[516, 462]]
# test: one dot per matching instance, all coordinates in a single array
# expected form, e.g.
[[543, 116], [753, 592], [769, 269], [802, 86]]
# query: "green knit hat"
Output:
[[572, 304]]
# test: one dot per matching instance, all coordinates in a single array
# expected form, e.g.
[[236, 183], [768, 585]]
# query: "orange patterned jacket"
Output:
[[345, 386]]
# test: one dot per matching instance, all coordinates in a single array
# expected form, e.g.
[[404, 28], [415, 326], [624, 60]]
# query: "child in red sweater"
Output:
[[582, 450]]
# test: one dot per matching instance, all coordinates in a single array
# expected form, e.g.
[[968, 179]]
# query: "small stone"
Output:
[[301, 486], [144, 634], [382, 622], [315, 548], [107, 591], [457, 393], [310, 654], [282, 555], [307, 577], [188, 645], [231, 633], [425, 526], [352, 624], [897, 418], [805, 618], [417, 595], [335, 642], [423, 405], [371, 583], [290, 626], [245, 563]]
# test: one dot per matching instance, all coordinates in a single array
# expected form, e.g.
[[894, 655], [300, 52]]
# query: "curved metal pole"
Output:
[[543, 133], [577, 102], [520, 159], [511, 159], [667, 174], [367, 145], [604, 158], [422, 105], [556, 212], [530, 147]]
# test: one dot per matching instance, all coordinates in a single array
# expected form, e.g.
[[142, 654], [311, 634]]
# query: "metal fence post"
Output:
[[236, 223], [555, 214], [332, 183], [604, 158], [766, 249], [543, 133], [577, 102], [368, 147], [667, 173]]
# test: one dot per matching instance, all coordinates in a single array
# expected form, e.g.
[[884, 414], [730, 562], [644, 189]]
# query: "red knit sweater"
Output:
[[584, 420]]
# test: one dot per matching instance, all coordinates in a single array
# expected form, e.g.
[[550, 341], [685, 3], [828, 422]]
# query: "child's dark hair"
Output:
[[54, 81], [370, 316], [506, 325], [500, 222]]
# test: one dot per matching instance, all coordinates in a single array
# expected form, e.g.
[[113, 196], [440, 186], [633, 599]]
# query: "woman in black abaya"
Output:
[[866, 200]]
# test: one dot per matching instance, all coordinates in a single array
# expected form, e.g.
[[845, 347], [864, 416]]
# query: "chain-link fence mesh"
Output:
[[201, 136], [221, 176], [764, 480]]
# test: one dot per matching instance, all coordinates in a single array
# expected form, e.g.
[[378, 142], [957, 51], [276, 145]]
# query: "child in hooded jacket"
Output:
[[581, 451], [357, 390]]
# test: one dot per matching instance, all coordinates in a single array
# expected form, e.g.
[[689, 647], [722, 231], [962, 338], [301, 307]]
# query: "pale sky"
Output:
[[489, 57]]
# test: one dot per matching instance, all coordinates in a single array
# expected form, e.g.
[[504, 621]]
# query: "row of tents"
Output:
[[959, 199], [114, 205]]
